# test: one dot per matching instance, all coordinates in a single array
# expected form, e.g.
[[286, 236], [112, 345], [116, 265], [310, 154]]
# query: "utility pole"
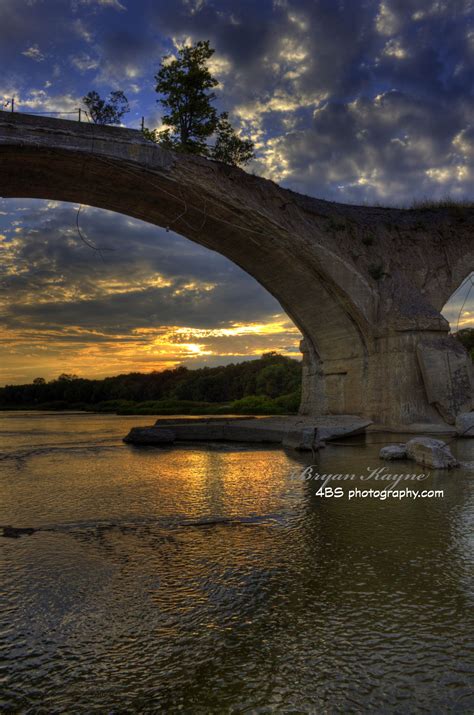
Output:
[[13, 104], [79, 111], [143, 123]]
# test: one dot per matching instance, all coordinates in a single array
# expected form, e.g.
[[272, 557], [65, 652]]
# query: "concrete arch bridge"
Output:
[[365, 285]]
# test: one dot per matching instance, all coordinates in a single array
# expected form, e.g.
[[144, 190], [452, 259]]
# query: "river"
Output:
[[126, 601]]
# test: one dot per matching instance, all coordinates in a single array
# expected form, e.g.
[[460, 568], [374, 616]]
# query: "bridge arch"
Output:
[[354, 302]]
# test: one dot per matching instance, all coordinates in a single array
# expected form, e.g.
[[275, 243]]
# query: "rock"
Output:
[[150, 435], [13, 532], [393, 451], [290, 430], [465, 424], [303, 439], [431, 453], [210, 420]]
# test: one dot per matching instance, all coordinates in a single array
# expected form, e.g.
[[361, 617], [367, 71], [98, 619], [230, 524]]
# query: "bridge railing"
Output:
[[8, 103]]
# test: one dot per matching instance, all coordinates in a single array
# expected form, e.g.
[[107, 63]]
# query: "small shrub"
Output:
[[447, 203], [254, 405], [290, 403]]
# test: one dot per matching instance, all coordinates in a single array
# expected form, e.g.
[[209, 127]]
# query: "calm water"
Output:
[[296, 604]]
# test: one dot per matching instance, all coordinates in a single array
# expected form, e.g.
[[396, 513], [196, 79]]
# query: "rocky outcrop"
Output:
[[305, 439], [14, 532], [292, 431], [393, 451], [431, 453], [150, 436]]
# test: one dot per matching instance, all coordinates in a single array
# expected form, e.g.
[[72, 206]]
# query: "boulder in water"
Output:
[[393, 451], [13, 532], [431, 453]]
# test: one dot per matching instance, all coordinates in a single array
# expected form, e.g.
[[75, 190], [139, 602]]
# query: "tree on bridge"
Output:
[[106, 111], [185, 85]]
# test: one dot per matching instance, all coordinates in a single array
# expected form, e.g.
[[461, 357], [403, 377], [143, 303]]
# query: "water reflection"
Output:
[[286, 602]]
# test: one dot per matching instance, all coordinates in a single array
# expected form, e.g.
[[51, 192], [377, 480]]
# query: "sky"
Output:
[[358, 101]]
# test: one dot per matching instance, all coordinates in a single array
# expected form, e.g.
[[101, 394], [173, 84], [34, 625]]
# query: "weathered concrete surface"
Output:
[[290, 431], [150, 436], [465, 424], [416, 428], [305, 439], [447, 376], [364, 285], [431, 453]]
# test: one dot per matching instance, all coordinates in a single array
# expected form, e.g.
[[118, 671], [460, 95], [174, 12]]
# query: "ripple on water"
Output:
[[208, 581]]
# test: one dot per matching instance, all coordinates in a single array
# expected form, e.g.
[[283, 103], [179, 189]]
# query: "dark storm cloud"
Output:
[[393, 145], [351, 100], [146, 277], [159, 307], [287, 68]]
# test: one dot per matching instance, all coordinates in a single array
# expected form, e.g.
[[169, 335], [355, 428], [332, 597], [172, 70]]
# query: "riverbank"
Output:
[[249, 405]]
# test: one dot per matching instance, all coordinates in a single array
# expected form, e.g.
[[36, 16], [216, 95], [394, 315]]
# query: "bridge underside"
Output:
[[364, 285]]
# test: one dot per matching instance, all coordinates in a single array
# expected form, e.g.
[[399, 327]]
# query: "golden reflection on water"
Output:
[[284, 602]]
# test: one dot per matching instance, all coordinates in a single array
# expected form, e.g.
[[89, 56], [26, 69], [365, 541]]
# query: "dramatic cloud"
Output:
[[360, 100], [349, 100], [153, 300]]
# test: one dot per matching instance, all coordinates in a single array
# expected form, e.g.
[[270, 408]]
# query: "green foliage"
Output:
[[106, 111], [289, 404], [152, 135], [263, 405], [229, 147], [274, 379], [253, 405], [185, 87], [172, 407]]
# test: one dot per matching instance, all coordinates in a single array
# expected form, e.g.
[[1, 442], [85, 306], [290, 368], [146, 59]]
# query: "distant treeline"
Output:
[[268, 385]]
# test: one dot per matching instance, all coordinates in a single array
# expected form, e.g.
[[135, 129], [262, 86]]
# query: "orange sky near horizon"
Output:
[[156, 301], [32, 353]]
